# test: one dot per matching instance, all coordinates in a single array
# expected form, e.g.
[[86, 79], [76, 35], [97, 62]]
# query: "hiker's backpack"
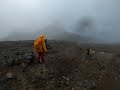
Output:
[[37, 44]]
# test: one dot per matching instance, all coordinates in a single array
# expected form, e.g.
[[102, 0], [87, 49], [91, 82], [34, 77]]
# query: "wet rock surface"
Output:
[[90, 84], [67, 67]]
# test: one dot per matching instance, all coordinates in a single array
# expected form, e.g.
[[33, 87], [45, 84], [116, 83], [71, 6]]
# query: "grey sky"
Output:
[[32, 15]]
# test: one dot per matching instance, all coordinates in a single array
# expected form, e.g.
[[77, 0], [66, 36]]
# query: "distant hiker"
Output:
[[90, 51], [45, 41], [40, 48], [47, 45]]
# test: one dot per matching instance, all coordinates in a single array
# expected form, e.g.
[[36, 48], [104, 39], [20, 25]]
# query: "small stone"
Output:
[[67, 79], [9, 75], [28, 57], [50, 77], [63, 77], [89, 84], [76, 70], [23, 65]]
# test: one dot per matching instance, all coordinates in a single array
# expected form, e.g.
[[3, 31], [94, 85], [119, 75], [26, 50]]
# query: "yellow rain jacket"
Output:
[[39, 44]]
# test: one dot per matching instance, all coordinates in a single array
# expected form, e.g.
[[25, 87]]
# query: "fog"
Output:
[[27, 19]]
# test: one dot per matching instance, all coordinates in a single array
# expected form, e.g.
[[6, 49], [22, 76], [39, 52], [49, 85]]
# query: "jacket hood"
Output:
[[42, 37]]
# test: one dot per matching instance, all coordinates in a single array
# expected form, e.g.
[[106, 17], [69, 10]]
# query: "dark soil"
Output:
[[67, 67]]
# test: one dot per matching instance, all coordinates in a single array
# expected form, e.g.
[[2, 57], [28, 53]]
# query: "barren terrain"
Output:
[[67, 67]]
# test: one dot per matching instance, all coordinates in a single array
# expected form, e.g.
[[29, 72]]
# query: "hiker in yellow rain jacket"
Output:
[[40, 48]]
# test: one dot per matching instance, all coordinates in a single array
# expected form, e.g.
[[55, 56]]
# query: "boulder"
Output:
[[89, 84]]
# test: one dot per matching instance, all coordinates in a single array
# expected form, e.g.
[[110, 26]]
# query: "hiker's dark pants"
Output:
[[40, 56]]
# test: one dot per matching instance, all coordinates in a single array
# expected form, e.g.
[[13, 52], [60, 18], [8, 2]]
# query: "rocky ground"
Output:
[[68, 67]]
